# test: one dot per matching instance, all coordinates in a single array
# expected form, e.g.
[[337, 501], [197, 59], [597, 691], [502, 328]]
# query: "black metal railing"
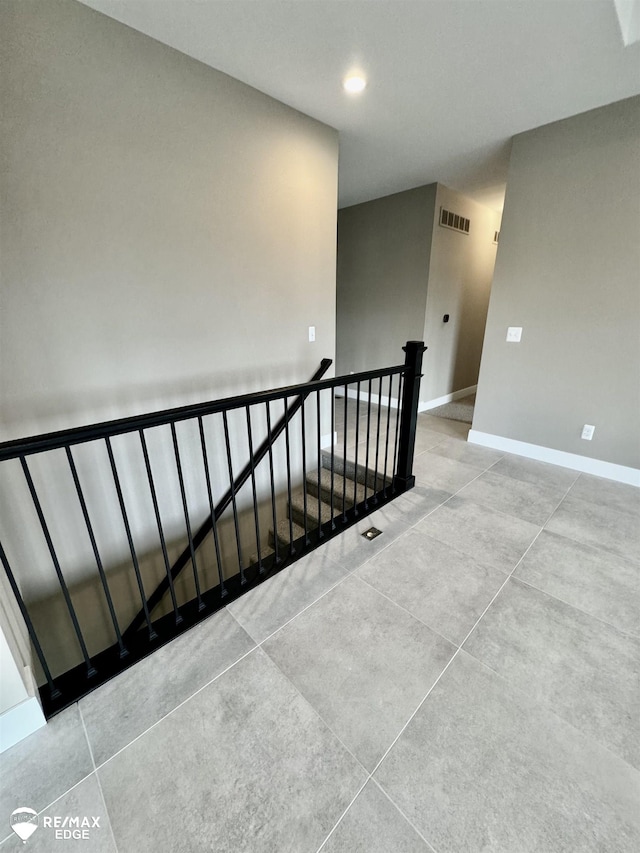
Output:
[[342, 457]]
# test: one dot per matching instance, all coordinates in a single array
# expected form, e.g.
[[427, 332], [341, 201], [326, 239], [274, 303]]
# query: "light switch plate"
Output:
[[514, 334], [312, 334]]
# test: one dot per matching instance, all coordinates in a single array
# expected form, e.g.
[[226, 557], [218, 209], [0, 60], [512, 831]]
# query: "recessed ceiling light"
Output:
[[354, 83]]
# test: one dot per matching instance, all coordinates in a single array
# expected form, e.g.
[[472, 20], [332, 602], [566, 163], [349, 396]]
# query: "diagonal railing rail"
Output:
[[209, 524]]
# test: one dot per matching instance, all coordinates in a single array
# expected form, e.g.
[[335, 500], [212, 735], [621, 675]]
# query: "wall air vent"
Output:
[[453, 220], [496, 236]]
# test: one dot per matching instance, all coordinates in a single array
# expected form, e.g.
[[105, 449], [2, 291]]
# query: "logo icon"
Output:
[[24, 823]]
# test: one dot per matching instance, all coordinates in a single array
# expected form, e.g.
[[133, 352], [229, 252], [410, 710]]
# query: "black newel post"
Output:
[[409, 414]]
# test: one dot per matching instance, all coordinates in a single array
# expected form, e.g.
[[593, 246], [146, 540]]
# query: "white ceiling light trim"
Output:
[[354, 84]]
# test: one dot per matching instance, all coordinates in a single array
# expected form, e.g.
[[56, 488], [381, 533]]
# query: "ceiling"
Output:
[[449, 81]]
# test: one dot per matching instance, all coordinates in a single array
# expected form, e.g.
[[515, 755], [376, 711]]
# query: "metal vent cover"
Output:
[[448, 219]]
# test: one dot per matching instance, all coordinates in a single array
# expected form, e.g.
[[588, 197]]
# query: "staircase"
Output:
[[351, 485], [112, 600]]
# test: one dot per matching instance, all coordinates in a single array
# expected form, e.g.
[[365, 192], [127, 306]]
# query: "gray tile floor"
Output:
[[468, 681]]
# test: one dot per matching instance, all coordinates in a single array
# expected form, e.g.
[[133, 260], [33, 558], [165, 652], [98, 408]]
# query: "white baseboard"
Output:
[[19, 722], [375, 398], [598, 467], [422, 407], [448, 398]]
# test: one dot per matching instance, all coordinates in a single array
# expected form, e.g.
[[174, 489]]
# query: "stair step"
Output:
[[265, 552], [352, 489], [348, 469], [296, 510], [283, 533]]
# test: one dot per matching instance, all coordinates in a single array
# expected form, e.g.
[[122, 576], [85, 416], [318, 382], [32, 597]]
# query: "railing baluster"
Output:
[[344, 456], [183, 494], [255, 493], [273, 486], [127, 527], [375, 477], [333, 447], [366, 462], [53, 690], [318, 427], [156, 509], [54, 558], [355, 477], [214, 524], [103, 579], [304, 473], [395, 440], [292, 549], [386, 442], [234, 503]]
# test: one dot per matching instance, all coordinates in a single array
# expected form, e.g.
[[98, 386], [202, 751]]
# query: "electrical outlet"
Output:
[[514, 334], [312, 334], [587, 432]]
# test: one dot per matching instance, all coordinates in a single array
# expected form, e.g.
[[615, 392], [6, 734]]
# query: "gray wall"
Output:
[[166, 230], [399, 272], [460, 273], [167, 236], [383, 264], [568, 272]]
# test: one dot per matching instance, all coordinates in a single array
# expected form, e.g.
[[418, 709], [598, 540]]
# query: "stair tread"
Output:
[[283, 532], [339, 488], [348, 469], [297, 508], [265, 552]]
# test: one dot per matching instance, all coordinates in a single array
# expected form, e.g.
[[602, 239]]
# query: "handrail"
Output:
[[207, 526], [394, 445], [79, 435]]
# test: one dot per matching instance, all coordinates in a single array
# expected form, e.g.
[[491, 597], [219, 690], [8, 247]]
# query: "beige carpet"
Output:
[[458, 410]]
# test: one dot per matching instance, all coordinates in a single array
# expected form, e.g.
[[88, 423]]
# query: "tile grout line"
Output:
[[541, 705], [329, 728], [173, 710], [597, 548], [344, 813], [399, 810], [408, 612], [370, 778], [300, 612], [498, 511], [315, 711], [579, 609], [459, 649], [95, 773]]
